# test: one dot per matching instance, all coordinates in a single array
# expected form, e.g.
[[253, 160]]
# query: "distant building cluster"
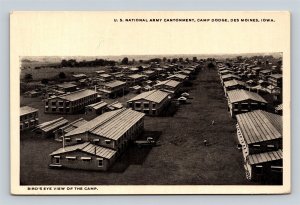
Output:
[[96, 144]]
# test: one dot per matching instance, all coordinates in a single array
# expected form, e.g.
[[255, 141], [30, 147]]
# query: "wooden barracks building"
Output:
[[260, 136], [70, 103], [241, 101], [151, 102], [96, 144], [28, 117]]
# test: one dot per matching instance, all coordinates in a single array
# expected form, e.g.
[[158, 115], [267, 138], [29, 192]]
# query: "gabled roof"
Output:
[[73, 125], [278, 107], [265, 157], [170, 83], [26, 110], [111, 125], [136, 76], [98, 105], [242, 95], [230, 76], [114, 83], [153, 95], [259, 126], [105, 75], [66, 85], [77, 95], [234, 83], [180, 76], [89, 148], [52, 125]]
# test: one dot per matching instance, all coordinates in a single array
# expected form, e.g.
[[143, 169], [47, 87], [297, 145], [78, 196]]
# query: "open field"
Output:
[[180, 159]]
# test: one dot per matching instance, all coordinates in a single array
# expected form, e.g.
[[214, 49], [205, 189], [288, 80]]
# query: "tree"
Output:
[[28, 77], [62, 75], [125, 61], [211, 65], [195, 59], [164, 59]]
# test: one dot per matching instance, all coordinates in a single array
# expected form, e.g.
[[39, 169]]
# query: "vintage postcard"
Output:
[[150, 102]]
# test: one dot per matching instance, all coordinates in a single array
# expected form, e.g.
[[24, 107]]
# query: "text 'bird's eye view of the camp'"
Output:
[[151, 120]]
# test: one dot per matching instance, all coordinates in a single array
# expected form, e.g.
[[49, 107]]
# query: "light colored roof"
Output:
[[98, 105], [265, 71], [115, 83], [225, 71], [181, 76], [153, 95], [73, 125], [278, 107], [26, 110], [149, 71], [105, 75], [66, 85], [111, 125], [259, 126], [100, 71], [256, 68], [89, 148], [115, 105], [242, 95], [277, 76], [79, 75], [265, 157], [135, 76], [230, 76], [170, 83], [77, 95], [52, 125], [233, 83]]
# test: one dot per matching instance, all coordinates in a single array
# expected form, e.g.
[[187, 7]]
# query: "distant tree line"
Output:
[[84, 63]]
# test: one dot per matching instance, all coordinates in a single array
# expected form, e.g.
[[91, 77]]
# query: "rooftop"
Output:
[[233, 83], [242, 95], [265, 71], [111, 125], [98, 105], [89, 148], [77, 95], [26, 110], [115, 83], [136, 76], [171, 83], [52, 125], [265, 157], [66, 85], [230, 76], [153, 95], [277, 76], [73, 125], [259, 126]]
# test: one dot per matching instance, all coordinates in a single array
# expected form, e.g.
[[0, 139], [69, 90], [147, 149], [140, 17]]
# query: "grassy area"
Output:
[[181, 158]]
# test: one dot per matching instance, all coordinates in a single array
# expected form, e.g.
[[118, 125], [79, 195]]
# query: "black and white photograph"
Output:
[[144, 102]]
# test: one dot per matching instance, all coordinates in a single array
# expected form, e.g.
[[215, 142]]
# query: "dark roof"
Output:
[[259, 126], [264, 157]]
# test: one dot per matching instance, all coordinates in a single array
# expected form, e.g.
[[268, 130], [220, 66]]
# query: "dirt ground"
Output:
[[180, 159]]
